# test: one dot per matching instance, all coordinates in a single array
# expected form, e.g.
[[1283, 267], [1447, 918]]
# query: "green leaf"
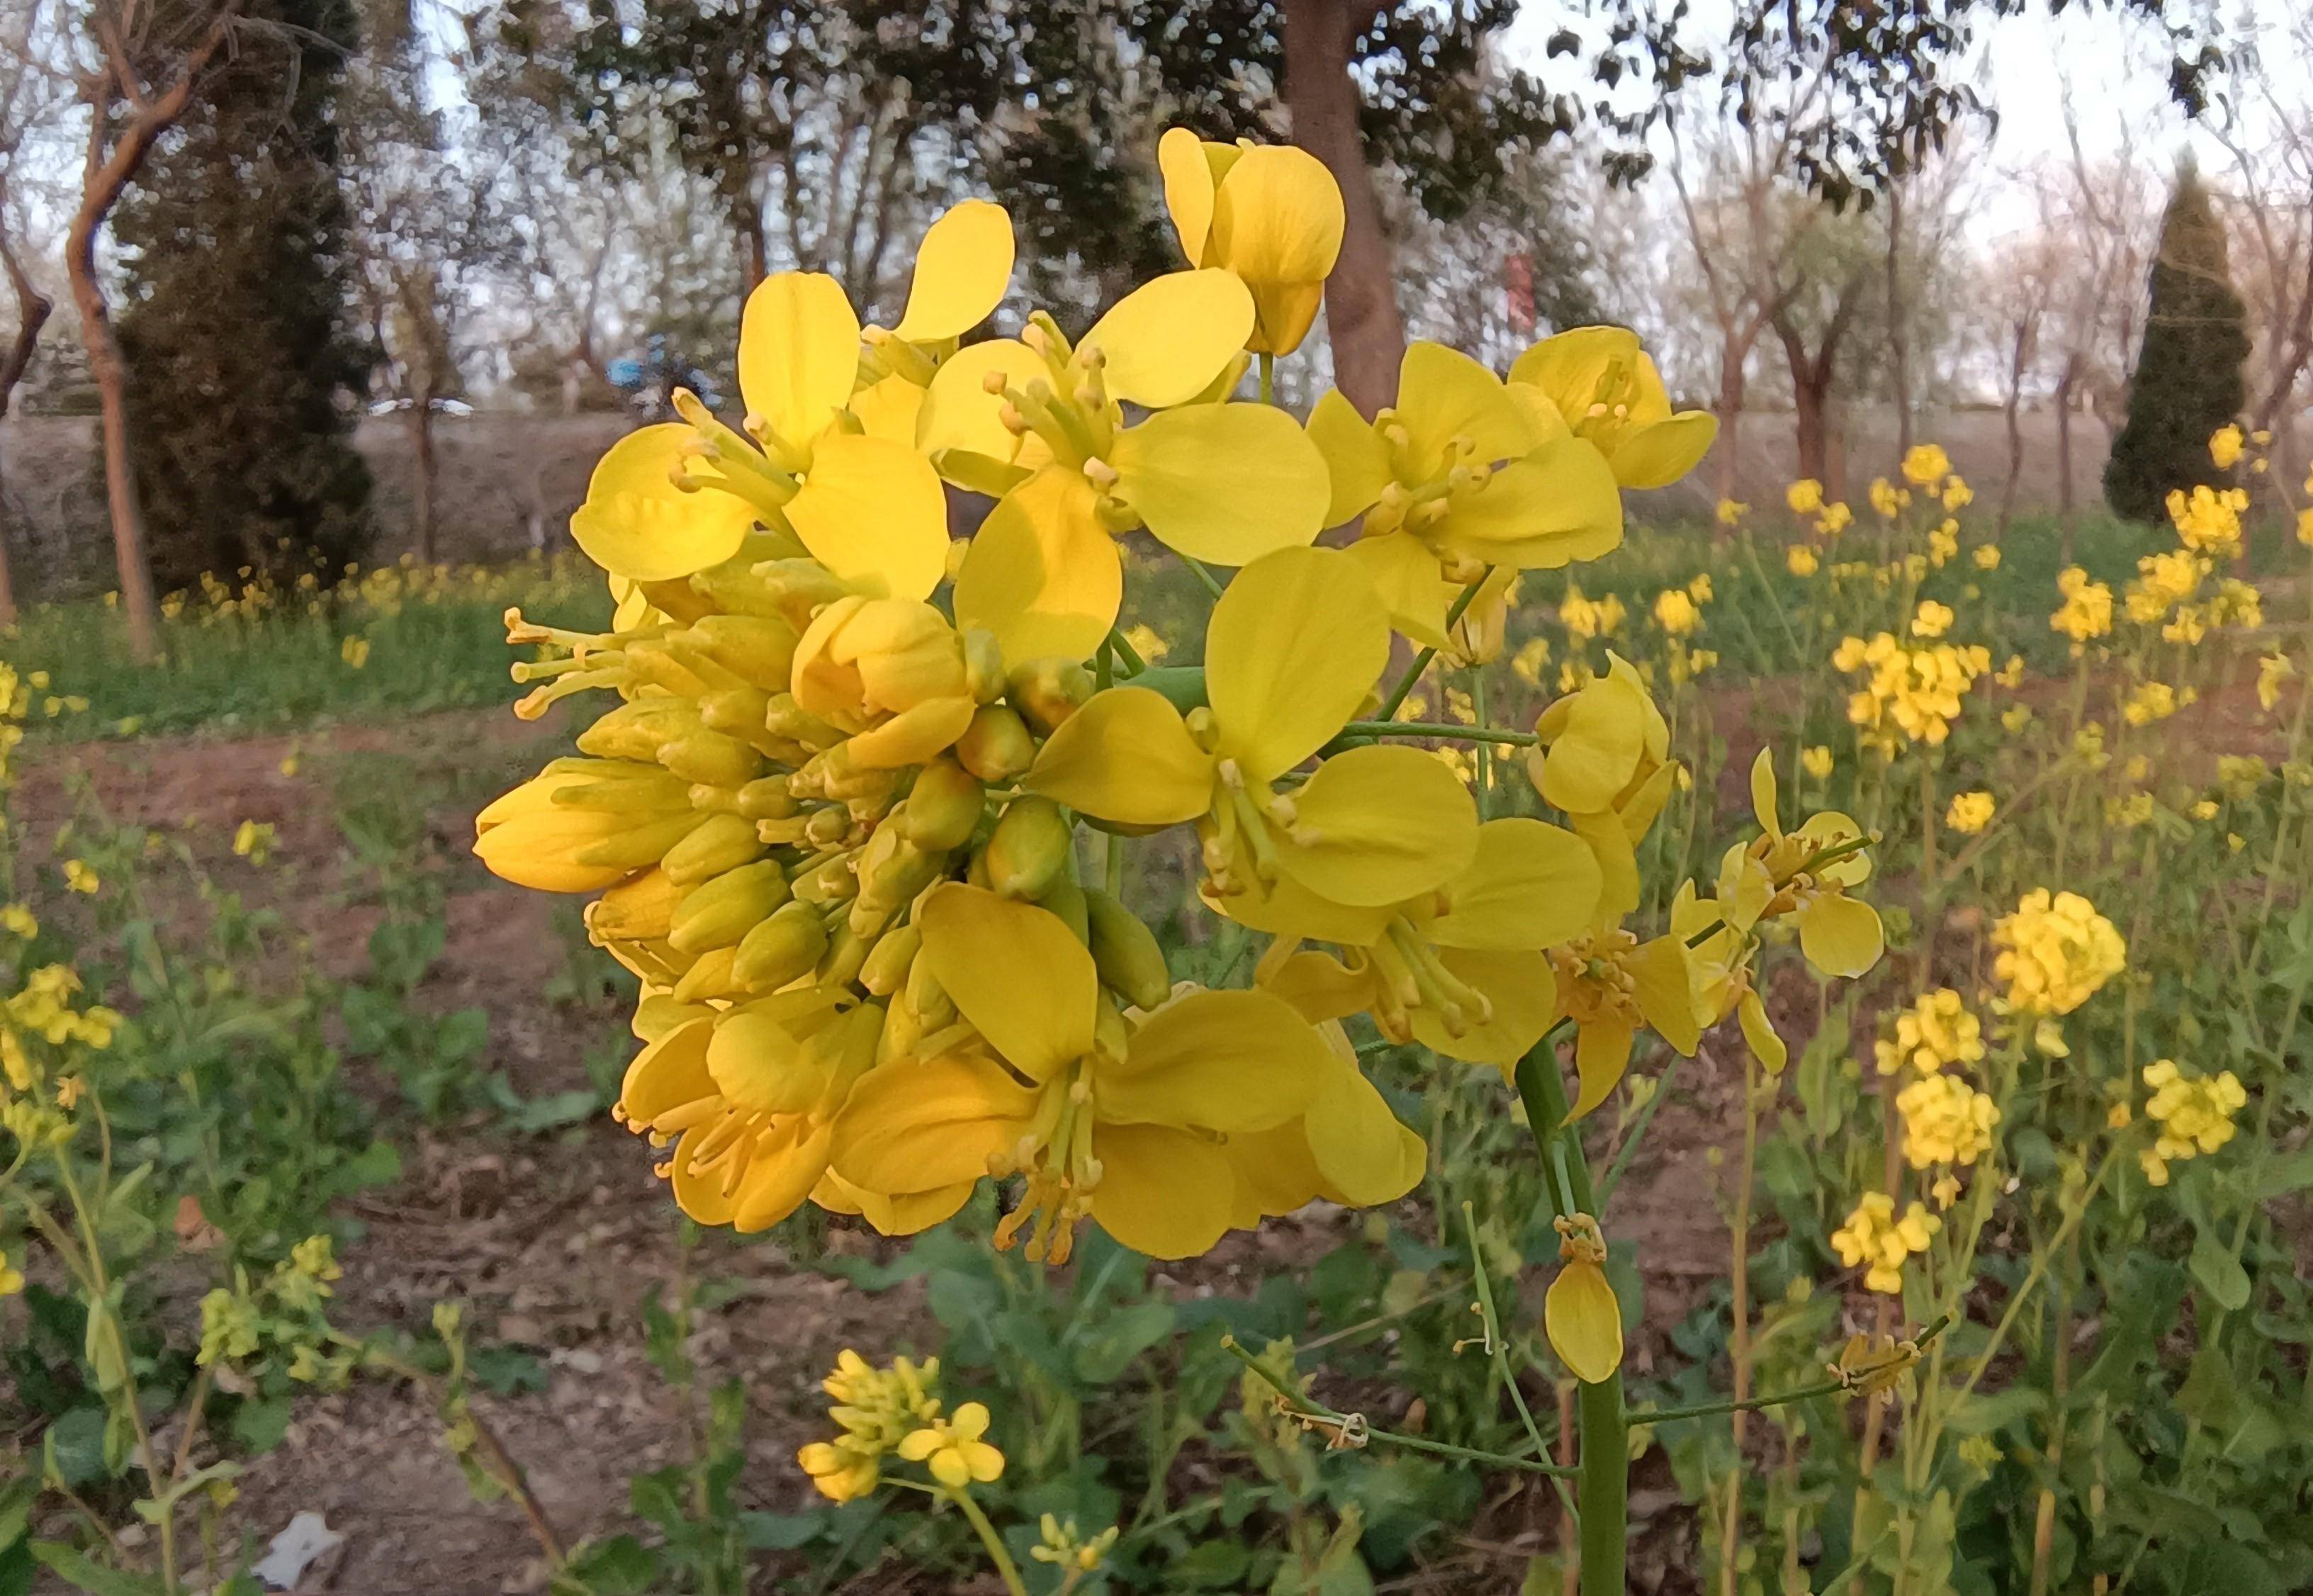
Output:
[[781, 1531], [2220, 1273], [619, 1567], [258, 1424], [82, 1575], [1982, 1415], [2292, 1172]]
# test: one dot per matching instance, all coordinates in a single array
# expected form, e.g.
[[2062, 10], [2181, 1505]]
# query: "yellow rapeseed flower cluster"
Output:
[[2054, 953], [2208, 521], [2151, 702], [1935, 1032], [1910, 695], [2086, 613], [1970, 812], [2193, 1115], [1875, 1238], [1946, 1120], [875, 1411]]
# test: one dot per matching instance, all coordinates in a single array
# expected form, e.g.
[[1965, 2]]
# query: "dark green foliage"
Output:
[[244, 369], [2188, 374]]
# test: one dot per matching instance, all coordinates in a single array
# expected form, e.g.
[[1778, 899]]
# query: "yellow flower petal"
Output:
[[1277, 225], [872, 512], [892, 408], [1016, 973], [1585, 1322], [1555, 505], [1219, 1061], [1602, 1052], [1405, 575], [1657, 457], [1525, 998], [1828, 828], [1443, 396], [1161, 1192], [1288, 908], [1596, 751], [699, 1194], [779, 1176], [962, 267], [1765, 1045], [1666, 992], [1530, 886], [1841, 937], [1319, 986], [636, 523], [669, 1074], [1125, 757], [960, 413], [798, 353], [1165, 340], [1226, 483], [1357, 462], [1616, 851], [1569, 366], [1377, 825], [1041, 574], [1292, 648], [1189, 182], [910, 1127], [1362, 1151], [1764, 806]]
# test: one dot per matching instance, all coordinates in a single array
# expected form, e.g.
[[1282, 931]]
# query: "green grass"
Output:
[[432, 642]]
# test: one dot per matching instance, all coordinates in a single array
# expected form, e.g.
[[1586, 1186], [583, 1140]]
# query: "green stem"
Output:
[[1133, 664], [1005, 1568], [1822, 1387], [1437, 729], [1268, 378], [1604, 1493], [1213, 583], [1415, 1443], [1397, 694]]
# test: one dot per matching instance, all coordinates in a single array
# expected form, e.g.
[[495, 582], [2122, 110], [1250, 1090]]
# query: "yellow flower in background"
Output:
[[1936, 1031], [952, 1449], [1801, 559], [253, 840], [1931, 619], [2225, 446], [1926, 465], [1600, 385], [1268, 214], [2305, 527], [2055, 952], [81, 877], [1817, 762], [354, 651], [12, 1279], [2148, 701], [1805, 496], [1946, 1120], [2163, 581], [1986, 557], [1957, 494], [1457, 476], [1528, 661], [1579, 1313], [2194, 1113], [1676, 612], [1586, 618], [1970, 812], [2209, 521], [2273, 671], [1730, 513], [2087, 609], [1874, 1236], [1887, 499], [1836, 518], [1909, 695], [18, 920]]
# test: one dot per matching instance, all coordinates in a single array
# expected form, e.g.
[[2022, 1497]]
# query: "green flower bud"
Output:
[[766, 799], [716, 844], [637, 730], [711, 758], [1131, 961], [1028, 849], [782, 948], [1066, 899], [944, 807], [757, 650], [738, 711], [718, 914], [886, 969], [832, 880], [1048, 691], [996, 746]]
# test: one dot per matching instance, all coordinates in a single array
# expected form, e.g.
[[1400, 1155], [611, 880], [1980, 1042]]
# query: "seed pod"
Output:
[[782, 948], [996, 746], [1131, 961], [718, 914], [1029, 848], [716, 844]]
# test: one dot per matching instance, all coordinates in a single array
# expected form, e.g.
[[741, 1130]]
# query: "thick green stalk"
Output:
[[1604, 1492]]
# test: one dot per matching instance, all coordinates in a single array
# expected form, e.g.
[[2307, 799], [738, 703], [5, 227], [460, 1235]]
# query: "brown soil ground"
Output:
[[552, 1242]]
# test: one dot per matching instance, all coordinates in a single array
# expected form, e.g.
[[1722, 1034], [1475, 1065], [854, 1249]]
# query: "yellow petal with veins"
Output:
[[1553, 507], [1841, 937], [1364, 1154], [962, 267], [909, 1127], [636, 523], [872, 512], [1163, 341], [1530, 886], [780, 1174], [1291, 650], [1602, 1052], [1277, 223], [960, 413], [1219, 1061], [1569, 366], [1015, 972], [1443, 396], [1525, 998], [1125, 757], [1764, 806], [1189, 182], [1357, 462], [1405, 575], [1596, 751], [1657, 457], [1041, 574], [1319, 986], [1765, 1046], [1161, 1192], [1665, 992], [1377, 825], [799, 354], [890, 407], [1585, 1322], [1226, 483]]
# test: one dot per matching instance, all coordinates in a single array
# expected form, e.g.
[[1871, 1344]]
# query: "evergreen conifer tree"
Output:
[[2187, 382]]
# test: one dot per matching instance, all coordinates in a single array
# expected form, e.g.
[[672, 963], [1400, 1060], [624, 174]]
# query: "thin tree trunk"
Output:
[[32, 309], [1369, 332], [1725, 471], [2065, 500], [421, 451], [2011, 411], [1810, 433], [7, 575], [1899, 341]]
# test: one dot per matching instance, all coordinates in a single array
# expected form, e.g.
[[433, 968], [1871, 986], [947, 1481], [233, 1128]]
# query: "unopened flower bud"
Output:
[[718, 843], [1126, 952], [718, 914], [1028, 849], [782, 948], [996, 746], [944, 807], [1047, 691]]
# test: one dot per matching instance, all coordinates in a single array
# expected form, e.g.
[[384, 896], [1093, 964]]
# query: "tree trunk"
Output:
[[120, 496], [1725, 471], [1899, 341], [1810, 424], [421, 483], [1368, 333], [32, 308], [2065, 385], [2011, 413], [7, 576]]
